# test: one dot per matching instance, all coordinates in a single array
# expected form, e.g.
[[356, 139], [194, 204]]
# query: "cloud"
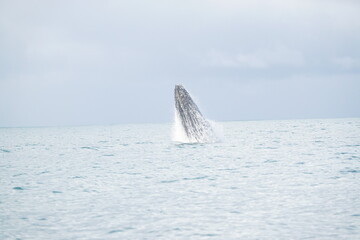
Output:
[[260, 59], [117, 61], [347, 63]]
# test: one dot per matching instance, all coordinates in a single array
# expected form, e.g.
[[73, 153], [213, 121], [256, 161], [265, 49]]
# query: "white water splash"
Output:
[[178, 131], [215, 134]]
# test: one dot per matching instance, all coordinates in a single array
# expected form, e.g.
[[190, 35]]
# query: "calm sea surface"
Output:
[[296, 179]]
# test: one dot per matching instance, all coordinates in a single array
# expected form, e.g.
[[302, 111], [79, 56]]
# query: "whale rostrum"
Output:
[[196, 127]]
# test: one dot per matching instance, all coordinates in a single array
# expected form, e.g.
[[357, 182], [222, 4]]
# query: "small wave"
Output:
[[266, 147], [270, 161], [350, 171], [131, 173], [196, 178], [341, 153], [120, 230], [90, 148], [108, 155], [144, 143], [32, 144], [227, 169], [74, 177], [19, 174], [206, 234], [169, 181], [188, 145]]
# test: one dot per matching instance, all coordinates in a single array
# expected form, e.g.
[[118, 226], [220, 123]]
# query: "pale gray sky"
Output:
[[107, 62]]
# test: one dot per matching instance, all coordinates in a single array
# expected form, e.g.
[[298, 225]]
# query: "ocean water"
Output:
[[296, 179]]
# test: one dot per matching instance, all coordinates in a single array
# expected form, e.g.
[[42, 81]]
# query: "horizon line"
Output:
[[140, 123]]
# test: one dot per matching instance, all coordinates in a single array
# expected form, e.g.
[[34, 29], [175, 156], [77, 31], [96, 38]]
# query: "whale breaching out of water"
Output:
[[188, 115]]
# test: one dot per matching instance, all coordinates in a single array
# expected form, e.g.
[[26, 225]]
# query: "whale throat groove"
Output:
[[193, 123]]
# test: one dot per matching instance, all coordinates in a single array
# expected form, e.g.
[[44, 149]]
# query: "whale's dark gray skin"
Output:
[[196, 127]]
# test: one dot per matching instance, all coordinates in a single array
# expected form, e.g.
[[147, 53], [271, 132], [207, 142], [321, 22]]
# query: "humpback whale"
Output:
[[195, 126]]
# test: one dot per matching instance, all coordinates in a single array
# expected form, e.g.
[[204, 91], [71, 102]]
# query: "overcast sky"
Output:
[[108, 62]]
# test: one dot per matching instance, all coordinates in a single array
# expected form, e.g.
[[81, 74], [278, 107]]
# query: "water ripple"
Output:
[[268, 179]]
